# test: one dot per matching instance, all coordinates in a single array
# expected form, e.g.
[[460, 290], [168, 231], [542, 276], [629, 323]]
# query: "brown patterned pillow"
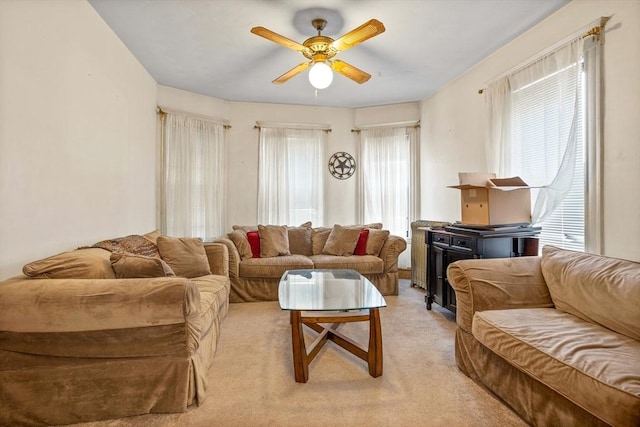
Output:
[[342, 241], [300, 239], [133, 244], [139, 266], [274, 240], [186, 256]]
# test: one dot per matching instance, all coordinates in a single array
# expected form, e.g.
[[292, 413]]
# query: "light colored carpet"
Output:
[[251, 381]]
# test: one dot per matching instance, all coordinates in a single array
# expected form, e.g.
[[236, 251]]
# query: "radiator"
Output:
[[419, 252]]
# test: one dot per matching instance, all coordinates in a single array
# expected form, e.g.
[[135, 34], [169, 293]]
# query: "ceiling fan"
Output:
[[320, 50]]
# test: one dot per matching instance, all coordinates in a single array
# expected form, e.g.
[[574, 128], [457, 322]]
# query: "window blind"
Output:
[[542, 116]]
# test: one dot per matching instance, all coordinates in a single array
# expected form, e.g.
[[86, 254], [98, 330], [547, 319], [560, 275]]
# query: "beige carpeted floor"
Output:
[[251, 381]]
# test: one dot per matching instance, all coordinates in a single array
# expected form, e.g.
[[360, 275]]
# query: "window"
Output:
[[193, 177], [543, 116], [290, 189], [545, 126], [388, 168]]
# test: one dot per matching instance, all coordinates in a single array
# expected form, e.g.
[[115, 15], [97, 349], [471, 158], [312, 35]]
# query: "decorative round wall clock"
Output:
[[342, 165]]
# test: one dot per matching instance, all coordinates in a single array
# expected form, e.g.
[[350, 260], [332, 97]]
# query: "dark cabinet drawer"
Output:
[[441, 239], [462, 243]]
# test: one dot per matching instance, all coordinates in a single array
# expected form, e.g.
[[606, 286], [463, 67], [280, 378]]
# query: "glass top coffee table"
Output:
[[331, 298]]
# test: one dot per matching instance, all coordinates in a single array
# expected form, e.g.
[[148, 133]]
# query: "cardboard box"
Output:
[[487, 200]]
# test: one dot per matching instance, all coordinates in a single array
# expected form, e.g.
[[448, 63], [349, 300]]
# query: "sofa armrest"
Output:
[[218, 256], [72, 305], [234, 256], [496, 284], [391, 250]]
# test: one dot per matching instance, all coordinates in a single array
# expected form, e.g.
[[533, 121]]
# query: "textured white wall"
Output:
[[77, 134], [454, 125]]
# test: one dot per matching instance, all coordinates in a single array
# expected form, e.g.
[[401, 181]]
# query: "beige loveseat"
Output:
[[79, 344], [556, 337], [255, 269]]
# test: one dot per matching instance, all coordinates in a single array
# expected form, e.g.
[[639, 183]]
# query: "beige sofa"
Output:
[[79, 344], [556, 337], [255, 275]]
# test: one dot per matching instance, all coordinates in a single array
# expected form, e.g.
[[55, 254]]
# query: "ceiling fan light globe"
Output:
[[320, 75]]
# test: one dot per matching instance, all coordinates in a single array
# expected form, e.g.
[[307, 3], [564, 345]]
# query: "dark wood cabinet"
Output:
[[450, 244]]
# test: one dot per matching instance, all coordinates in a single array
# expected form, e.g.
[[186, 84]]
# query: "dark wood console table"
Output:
[[449, 244]]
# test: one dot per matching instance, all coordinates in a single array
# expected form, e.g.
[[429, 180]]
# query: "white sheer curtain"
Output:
[[193, 177], [290, 185], [389, 159]]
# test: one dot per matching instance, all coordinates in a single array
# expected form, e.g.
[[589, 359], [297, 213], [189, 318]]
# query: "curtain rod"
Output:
[[409, 124], [594, 29], [301, 126], [163, 112]]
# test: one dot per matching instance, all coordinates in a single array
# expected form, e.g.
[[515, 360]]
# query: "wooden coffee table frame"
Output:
[[302, 358]]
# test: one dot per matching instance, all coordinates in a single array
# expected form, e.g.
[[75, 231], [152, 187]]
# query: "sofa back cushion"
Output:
[[361, 246], [186, 256], [342, 241], [130, 266], [376, 241], [86, 263], [254, 242], [300, 239], [240, 240], [274, 240], [319, 236], [594, 288]]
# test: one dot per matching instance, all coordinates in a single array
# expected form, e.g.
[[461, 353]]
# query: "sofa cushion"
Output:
[[254, 242], [365, 264], [585, 362], [342, 240], [273, 267], [214, 295], [376, 241], [274, 240], [134, 244], [239, 239], [87, 263], [300, 239], [186, 256], [361, 246], [319, 236], [128, 266], [595, 288]]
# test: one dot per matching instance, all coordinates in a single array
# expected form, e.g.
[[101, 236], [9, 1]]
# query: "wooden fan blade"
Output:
[[277, 38], [363, 32], [292, 72], [348, 70]]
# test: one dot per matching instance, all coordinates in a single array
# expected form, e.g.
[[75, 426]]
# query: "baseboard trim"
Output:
[[404, 273]]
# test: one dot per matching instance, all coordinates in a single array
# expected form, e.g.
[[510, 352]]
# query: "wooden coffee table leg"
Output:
[[375, 343], [300, 363]]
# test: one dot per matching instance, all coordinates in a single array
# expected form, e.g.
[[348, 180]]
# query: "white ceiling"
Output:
[[204, 46]]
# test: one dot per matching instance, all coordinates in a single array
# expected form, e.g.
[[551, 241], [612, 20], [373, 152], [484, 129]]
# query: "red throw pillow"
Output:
[[361, 246], [254, 241]]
